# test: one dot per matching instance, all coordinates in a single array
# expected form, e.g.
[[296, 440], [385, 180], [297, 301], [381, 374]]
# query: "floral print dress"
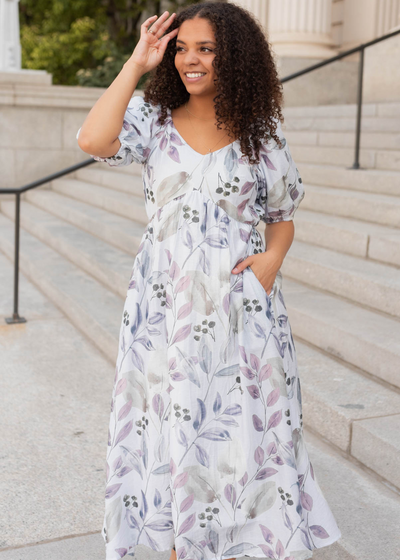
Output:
[[205, 448]]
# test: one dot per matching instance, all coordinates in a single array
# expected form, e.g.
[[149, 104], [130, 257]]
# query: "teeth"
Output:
[[192, 75]]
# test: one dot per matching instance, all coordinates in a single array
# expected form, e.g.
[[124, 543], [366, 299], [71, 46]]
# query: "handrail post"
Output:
[[16, 318], [356, 164]]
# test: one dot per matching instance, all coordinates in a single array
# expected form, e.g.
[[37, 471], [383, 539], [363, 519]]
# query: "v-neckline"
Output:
[[189, 146]]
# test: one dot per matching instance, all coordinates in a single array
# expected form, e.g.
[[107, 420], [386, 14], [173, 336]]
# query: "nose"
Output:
[[191, 57]]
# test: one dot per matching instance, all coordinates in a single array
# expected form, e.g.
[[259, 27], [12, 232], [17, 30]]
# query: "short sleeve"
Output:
[[280, 187], [137, 130]]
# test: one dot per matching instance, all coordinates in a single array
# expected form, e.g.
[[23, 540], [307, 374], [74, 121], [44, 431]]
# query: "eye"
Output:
[[207, 48]]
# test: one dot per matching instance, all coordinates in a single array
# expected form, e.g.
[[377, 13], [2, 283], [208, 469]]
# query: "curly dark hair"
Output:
[[249, 92]]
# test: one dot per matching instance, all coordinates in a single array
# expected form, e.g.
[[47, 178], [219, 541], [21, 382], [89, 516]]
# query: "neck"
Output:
[[202, 107]]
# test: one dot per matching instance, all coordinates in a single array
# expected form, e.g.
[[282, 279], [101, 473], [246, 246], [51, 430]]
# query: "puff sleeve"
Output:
[[137, 131], [280, 187]]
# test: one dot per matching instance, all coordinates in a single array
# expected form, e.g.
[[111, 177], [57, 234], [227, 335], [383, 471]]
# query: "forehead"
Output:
[[197, 29]]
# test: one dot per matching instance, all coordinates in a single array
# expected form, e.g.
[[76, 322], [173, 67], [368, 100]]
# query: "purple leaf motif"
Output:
[[120, 386], [265, 373], [202, 456], [216, 435], [255, 362], [165, 525], [185, 310], [306, 501], [280, 550], [246, 187], [267, 534], [319, 532], [257, 423], [112, 490], [187, 524], [259, 455], [269, 553], [273, 397], [254, 391], [230, 494], [265, 473], [182, 284], [187, 503], [174, 154], [182, 333], [180, 480], [124, 432], [274, 420]]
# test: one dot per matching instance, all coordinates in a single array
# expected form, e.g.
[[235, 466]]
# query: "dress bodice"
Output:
[[269, 191]]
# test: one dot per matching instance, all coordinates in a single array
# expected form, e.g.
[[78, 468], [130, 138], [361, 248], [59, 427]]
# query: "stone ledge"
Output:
[[38, 95]]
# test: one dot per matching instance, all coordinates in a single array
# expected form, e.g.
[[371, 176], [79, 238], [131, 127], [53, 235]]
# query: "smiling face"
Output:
[[195, 45]]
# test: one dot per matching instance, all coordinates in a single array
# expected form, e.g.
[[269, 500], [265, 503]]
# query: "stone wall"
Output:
[[38, 126]]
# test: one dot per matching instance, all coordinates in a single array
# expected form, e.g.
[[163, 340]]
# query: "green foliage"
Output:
[[84, 42]]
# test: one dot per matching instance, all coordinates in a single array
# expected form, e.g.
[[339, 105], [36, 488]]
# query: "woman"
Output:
[[206, 444]]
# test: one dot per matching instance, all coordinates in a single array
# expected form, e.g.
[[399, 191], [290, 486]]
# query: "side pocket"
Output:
[[261, 286]]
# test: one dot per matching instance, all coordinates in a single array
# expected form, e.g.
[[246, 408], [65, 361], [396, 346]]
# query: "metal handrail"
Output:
[[356, 165], [360, 48], [16, 318]]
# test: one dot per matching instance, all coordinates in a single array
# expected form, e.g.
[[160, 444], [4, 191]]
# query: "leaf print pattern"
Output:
[[206, 448]]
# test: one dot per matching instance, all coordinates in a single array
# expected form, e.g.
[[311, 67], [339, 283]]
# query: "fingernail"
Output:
[[235, 269]]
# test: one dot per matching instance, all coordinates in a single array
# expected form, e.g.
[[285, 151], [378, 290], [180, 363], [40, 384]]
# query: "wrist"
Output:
[[134, 66], [276, 257]]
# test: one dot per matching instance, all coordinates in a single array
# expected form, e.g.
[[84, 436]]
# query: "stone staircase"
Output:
[[341, 284]]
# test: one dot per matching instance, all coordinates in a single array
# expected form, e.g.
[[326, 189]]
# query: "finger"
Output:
[[163, 28], [240, 266], [146, 23], [165, 40], [157, 25], [169, 36]]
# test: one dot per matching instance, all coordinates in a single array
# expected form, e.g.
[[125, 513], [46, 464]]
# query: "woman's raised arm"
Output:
[[99, 133]]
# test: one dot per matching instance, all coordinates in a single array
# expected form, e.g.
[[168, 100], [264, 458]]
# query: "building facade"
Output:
[[322, 28]]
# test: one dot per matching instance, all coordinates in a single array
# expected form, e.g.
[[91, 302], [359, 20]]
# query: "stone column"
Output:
[[10, 46], [259, 8], [301, 28]]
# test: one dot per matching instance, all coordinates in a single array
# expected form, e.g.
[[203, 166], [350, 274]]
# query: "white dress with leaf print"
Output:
[[206, 446]]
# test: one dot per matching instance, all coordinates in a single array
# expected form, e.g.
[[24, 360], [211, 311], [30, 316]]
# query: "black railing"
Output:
[[18, 191], [360, 48], [356, 165]]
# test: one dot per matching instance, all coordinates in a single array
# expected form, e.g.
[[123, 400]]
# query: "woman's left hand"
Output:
[[264, 265]]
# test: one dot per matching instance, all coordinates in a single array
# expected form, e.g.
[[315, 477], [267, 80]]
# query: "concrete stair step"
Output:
[[116, 230], [350, 410], [356, 500], [368, 140], [107, 264], [376, 443], [384, 109], [89, 305], [342, 124], [365, 180], [359, 336], [129, 206], [370, 159], [371, 284], [377, 208], [131, 184], [352, 237]]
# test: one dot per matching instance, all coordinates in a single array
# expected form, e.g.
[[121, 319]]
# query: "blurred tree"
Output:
[[85, 42]]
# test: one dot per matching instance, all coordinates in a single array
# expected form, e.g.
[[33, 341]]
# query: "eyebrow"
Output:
[[198, 42]]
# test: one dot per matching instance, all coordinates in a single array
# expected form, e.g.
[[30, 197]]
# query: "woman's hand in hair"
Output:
[[151, 47]]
